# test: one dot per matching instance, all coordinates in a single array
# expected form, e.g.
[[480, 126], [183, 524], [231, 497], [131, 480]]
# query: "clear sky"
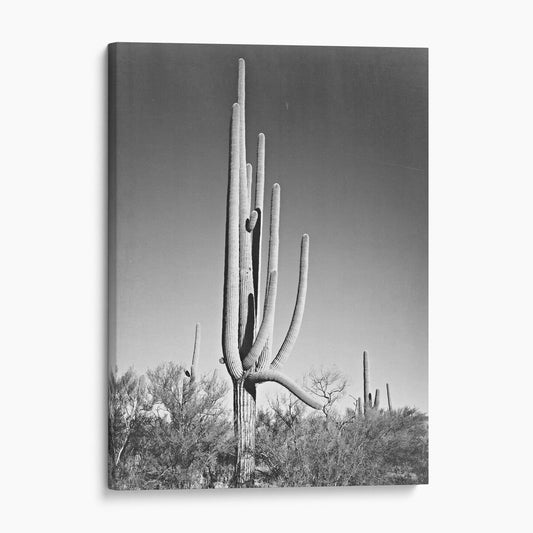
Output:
[[346, 138]]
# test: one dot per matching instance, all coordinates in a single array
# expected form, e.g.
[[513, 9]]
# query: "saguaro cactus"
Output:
[[193, 373], [366, 392], [368, 404], [358, 407], [389, 401], [189, 388], [247, 340]]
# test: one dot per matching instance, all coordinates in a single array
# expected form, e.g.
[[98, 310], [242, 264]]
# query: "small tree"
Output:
[[191, 427], [329, 385], [128, 406]]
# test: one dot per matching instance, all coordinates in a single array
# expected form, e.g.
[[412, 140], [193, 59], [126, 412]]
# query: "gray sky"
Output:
[[346, 138]]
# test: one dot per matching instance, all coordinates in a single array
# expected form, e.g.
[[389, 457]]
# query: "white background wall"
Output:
[[52, 116]]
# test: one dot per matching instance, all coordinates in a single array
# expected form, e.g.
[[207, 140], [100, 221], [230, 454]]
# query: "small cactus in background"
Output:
[[246, 332], [389, 401], [366, 391], [193, 373], [375, 406], [368, 404], [189, 388]]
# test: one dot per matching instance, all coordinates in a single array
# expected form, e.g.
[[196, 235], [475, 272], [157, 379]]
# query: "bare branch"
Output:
[[329, 384]]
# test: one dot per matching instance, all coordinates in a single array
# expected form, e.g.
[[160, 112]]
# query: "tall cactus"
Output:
[[368, 404], [389, 401], [247, 340]]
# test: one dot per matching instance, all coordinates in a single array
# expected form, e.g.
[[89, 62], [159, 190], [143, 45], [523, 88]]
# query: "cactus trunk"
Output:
[[389, 401], [244, 410]]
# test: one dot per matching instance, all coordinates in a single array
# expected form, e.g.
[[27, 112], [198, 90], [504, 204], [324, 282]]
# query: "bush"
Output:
[[319, 450], [166, 433]]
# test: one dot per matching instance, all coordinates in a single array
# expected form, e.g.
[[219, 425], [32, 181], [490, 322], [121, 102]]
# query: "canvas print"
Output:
[[268, 281]]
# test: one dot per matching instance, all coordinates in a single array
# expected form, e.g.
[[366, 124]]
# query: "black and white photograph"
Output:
[[268, 266]]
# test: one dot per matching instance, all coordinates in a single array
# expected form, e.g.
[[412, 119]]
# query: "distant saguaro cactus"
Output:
[[247, 340], [367, 395], [389, 401], [189, 389], [193, 373]]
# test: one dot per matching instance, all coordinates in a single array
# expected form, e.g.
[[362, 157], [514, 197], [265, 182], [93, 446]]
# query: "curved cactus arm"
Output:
[[277, 377], [230, 313], [273, 252], [296, 322], [250, 224], [258, 225], [195, 353], [266, 325]]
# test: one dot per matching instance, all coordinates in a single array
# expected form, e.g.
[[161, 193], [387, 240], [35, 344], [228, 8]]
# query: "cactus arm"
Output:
[[277, 377], [266, 325], [195, 353], [249, 183], [296, 322], [250, 226], [273, 251], [258, 225], [241, 99], [376, 400], [230, 313], [245, 269], [246, 294]]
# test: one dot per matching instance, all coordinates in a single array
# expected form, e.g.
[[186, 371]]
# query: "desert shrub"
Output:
[[165, 433], [318, 450], [185, 435], [128, 412]]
